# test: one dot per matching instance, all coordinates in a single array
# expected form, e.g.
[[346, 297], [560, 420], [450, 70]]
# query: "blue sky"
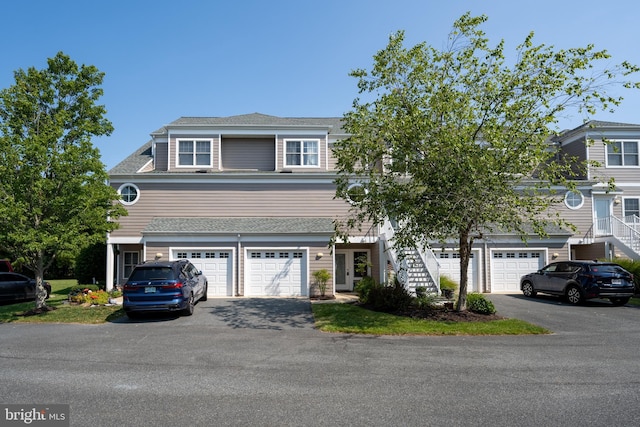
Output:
[[167, 59]]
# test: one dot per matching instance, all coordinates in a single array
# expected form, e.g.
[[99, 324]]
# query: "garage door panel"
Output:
[[450, 266], [276, 273], [508, 266], [215, 265]]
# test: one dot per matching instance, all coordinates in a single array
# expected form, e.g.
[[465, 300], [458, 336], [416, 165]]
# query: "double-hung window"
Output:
[[631, 210], [301, 152], [194, 152], [622, 153]]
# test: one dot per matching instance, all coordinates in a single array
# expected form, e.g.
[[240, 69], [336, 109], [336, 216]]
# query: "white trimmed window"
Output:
[[622, 153], [573, 199], [131, 259], [129, 193], [194, 152], [631, 209], [302, 152]]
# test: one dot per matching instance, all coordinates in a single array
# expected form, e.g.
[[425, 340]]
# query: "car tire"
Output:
[[133, 315], [204, 295], [573, 295], [619, 301], [527, 290], [188, 311]]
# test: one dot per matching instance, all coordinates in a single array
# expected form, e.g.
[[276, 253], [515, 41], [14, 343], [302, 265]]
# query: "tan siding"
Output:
[[248, 154], [224, 200]]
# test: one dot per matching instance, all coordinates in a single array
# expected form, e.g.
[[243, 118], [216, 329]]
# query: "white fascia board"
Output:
[[127, 240]]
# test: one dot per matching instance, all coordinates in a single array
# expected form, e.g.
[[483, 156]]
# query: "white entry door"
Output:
[[351, 265], [602, 214]]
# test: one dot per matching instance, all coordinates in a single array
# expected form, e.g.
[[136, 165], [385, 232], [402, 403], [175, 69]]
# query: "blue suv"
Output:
[[164, 286]]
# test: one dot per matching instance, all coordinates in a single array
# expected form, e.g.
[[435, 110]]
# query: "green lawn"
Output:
[[352, 319], [64, 313]]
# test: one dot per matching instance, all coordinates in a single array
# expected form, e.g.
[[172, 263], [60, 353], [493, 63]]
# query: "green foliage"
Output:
[[470, 128], [447, 283], [91, 263], [53, 186], [364, 287], [478, 303], [389, 298], [322, 277], [421, 291]]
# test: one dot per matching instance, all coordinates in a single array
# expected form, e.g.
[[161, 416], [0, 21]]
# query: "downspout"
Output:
[[237, 284], [485, 272]]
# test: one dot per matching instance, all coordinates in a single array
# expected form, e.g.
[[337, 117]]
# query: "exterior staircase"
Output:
[[624, 235], [412, 266]]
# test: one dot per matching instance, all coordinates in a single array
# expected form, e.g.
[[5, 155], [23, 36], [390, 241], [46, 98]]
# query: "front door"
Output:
[[602, 214], [351, 266]]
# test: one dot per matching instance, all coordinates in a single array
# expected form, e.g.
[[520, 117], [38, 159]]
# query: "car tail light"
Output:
[[177, 285], [128, 288]]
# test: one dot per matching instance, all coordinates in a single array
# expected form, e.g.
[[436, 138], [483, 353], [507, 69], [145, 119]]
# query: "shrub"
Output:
[[421, 292], [322, 277], [363, 288], [390, 297], [91, 263], [447, 283], [479, 304]]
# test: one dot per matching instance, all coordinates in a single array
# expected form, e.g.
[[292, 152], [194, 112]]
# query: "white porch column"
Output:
[[110, 260]]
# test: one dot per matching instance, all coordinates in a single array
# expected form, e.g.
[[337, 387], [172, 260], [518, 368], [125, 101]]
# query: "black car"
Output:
[[581, 280], [17, 287], [164, 286]]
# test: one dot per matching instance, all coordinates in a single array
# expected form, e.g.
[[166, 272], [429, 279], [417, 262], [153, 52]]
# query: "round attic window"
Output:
[[129, 194], [356, 194], [574, 199]]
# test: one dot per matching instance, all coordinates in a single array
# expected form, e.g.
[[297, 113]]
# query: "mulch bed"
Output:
[[444, 314]]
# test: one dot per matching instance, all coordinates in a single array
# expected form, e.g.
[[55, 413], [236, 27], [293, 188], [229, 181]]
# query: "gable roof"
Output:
[[597, 124]]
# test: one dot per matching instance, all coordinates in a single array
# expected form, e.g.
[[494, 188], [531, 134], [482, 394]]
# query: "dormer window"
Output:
[[301, 152], [194, 152], [622, 153]]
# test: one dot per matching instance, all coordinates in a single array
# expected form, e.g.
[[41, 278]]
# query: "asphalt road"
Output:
[[259, 362]]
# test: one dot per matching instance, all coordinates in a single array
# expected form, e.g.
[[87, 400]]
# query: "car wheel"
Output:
[[574, 296], [204, 295], [188, 311], [527, 290], [620, 301]]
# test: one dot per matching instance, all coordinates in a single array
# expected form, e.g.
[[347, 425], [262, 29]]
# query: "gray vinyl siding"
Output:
[[248, 154], [622, 174], [161, 156], [228, 200]]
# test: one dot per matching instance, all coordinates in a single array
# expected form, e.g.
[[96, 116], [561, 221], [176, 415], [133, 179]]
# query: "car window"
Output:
[[151, 273], [551, 268], [608, 268]]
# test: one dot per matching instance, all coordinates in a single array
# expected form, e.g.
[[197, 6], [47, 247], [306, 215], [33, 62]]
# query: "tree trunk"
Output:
[[41, 292], [465, 255]]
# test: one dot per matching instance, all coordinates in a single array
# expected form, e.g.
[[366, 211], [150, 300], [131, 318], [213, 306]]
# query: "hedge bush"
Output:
[[478, 303]]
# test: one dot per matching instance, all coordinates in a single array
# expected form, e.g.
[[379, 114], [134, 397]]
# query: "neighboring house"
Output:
[[607, 221], [250, 201]]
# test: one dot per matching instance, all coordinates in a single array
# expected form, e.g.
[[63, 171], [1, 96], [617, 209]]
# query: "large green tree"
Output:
[[54, 196], [453, 143]]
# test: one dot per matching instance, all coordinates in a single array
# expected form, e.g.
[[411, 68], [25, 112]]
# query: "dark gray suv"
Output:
[[164, 286], [581, 280]]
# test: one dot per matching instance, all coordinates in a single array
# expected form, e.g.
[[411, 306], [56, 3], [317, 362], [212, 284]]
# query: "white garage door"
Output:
[[450, 267], [508, 266], [276, 273], [216, 265]]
